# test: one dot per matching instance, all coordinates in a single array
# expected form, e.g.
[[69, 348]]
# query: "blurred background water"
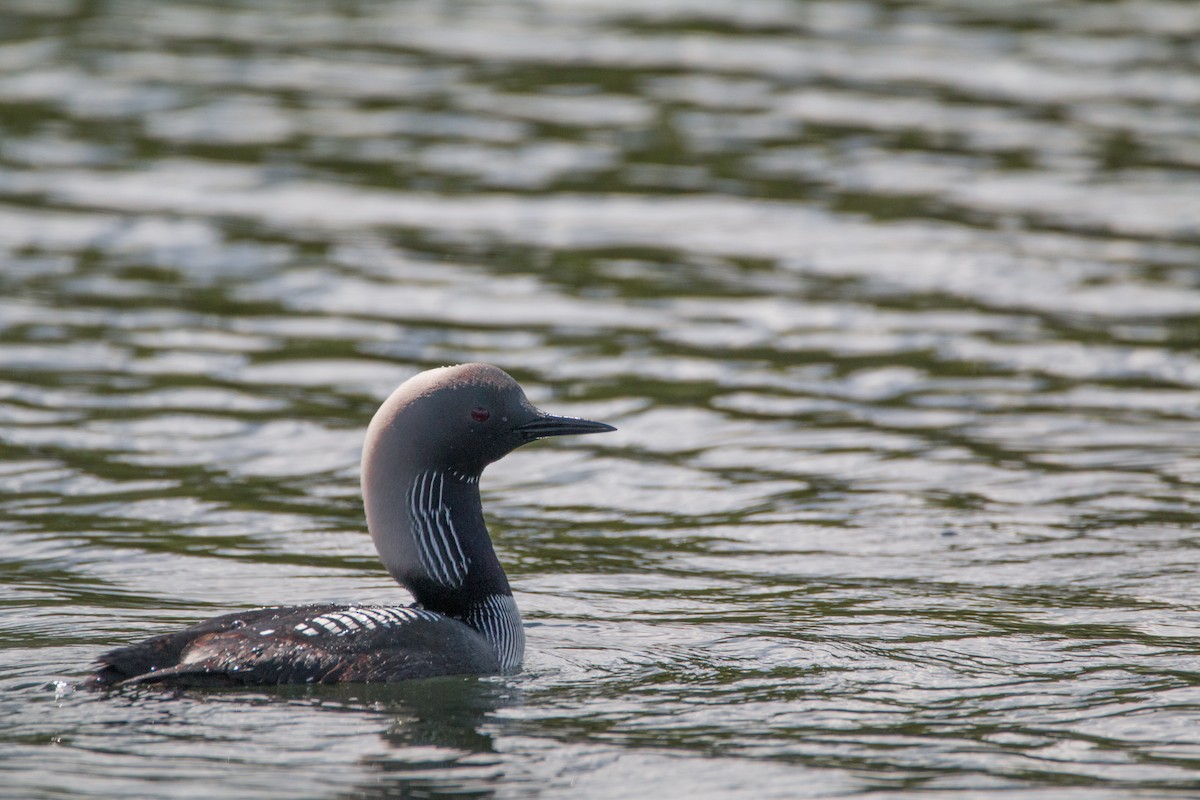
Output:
[[895, 304]]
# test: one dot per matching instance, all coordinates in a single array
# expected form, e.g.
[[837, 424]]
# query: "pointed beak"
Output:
[[549, 425]]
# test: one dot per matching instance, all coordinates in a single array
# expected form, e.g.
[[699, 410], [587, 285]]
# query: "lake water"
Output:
[[896, 306]]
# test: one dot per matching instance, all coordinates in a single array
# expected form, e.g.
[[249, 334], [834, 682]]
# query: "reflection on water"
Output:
[[894, 305]]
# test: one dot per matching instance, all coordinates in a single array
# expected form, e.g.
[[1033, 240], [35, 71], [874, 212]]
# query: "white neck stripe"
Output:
[[438, 547]]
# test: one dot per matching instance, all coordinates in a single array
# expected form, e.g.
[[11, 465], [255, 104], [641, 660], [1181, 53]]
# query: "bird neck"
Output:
[[497, 618], [428, 527]]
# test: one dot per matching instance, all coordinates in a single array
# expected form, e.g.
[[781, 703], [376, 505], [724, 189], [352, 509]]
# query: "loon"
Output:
[[425, 450]]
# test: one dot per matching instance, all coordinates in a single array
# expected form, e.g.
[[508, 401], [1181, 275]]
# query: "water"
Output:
[[895, 305]]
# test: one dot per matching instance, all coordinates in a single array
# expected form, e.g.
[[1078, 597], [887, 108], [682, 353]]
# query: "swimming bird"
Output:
[[425, 450]]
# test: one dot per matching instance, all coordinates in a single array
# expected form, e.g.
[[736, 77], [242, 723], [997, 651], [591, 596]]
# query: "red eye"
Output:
[[480, 414]]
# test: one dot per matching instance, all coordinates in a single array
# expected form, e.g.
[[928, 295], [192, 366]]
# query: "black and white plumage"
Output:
[[424, 452]]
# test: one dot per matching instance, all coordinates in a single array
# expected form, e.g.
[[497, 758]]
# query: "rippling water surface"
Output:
[[895, 305]]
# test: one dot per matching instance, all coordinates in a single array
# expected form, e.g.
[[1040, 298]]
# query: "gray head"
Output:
[[463, 418], [424, 452]]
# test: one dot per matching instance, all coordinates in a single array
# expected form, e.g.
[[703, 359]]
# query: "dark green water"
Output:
[[896, 306]]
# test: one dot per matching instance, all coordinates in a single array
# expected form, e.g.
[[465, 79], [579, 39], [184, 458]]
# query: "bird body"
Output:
[[305, 644], [424, 452]]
